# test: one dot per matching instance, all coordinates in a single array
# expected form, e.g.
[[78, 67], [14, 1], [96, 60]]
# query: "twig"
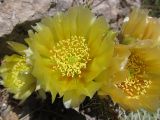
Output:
[[98, 4]]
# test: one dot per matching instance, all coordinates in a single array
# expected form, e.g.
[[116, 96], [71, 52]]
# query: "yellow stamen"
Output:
[[137, 84], [19, 68], [70, 55]]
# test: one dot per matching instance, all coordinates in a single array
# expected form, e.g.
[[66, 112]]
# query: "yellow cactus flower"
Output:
[[139, 25], [133, 78], [17, 76], [69, 51]]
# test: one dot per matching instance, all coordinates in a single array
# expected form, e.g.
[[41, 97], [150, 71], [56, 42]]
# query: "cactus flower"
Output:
[[17, 76], [16, 72], [133, 78], [140, 26], [69, 51]]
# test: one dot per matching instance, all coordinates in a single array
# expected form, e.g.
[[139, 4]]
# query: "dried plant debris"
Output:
[[153, 5], [100, 108], [139, 115], [6, 112], [3, 100], [37, 109]]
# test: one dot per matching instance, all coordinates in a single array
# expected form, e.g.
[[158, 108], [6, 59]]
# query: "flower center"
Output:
[[137, 83], [71, 56], [19, 68]]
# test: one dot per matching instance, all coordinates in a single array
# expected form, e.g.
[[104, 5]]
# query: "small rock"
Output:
[[11, 116], [13, 12]]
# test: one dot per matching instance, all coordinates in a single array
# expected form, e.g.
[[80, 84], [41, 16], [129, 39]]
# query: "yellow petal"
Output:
[[140, 26], [84, 20], [17, 47], [104, 44], [73, 98], [89, 89], [45, 37], [55, 25], [97, 33], [136, 23], [69, 23]]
